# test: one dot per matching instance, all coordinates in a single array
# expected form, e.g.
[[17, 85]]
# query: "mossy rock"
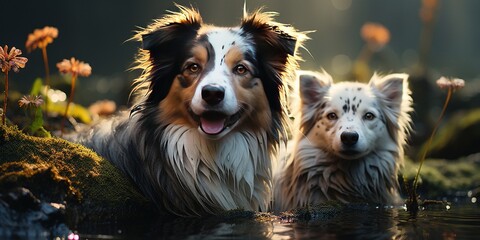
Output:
[[59, 171], [442, 178]]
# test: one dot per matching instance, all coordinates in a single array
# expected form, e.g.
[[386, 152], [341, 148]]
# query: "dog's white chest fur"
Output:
[[232, 173]]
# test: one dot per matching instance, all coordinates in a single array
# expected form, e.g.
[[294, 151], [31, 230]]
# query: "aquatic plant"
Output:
[[10, 60], [40, 38], [33, 110], [444, 83], [75, 68]]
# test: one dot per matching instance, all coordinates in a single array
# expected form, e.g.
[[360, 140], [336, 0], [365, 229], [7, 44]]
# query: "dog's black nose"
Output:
[[349, 138], [213, 94]]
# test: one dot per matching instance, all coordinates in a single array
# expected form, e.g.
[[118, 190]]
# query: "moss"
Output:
[[56, 170], [441, 177]]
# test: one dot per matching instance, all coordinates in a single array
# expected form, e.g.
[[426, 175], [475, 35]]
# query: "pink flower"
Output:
[[11, 60], [454, 84], [74, 67], [27, 101]]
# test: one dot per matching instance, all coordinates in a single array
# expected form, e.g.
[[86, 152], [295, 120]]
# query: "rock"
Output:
[[22, 215], [58, 171]]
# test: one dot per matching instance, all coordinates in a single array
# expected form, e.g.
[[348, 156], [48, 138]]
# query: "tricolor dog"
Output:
[[208, 115]]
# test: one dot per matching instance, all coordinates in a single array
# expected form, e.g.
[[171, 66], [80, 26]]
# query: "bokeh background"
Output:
[[427, 39]]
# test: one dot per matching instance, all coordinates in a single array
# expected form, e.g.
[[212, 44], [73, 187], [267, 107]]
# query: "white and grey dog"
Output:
[[350, 142]]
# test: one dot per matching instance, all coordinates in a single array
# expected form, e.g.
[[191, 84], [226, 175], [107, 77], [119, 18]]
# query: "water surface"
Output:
[[460, 221]]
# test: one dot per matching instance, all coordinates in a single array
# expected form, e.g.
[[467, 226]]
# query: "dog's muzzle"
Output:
[[349, 140], [215, 122]]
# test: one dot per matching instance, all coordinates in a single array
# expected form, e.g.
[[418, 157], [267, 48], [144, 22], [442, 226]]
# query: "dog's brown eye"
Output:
[[193, 68], [240, 69], [369, 116], [332, 116]]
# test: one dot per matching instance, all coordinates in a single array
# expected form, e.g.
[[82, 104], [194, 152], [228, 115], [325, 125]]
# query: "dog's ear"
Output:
[[275, 39], [173, 30], [391, 89], [275, 46], [164, 42], [313, 86]]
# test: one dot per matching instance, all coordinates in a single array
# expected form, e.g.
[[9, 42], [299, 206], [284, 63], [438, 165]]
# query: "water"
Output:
[[459, 222]]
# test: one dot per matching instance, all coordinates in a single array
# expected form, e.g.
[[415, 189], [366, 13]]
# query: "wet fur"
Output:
[[160, 146], [317, 171]]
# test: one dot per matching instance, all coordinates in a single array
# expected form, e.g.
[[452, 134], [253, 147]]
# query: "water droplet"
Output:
[[447, 207], [474, 199], [470, 193]]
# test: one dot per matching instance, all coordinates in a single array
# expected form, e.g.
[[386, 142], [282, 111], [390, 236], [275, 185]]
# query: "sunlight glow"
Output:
[[341, 64], [342, 4], [56, 95]]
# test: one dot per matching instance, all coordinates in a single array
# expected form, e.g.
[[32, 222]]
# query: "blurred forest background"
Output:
[[427, 39]]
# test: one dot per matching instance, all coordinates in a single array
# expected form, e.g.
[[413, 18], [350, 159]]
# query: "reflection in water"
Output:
[[353, 222], [387, 223], [211, 228]]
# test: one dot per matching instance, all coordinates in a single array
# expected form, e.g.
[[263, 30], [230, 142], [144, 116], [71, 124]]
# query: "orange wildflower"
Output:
[[8, 61], [103, 108], [375, 35], [427, 11], [11, 60], [40, 38], [74, 67]]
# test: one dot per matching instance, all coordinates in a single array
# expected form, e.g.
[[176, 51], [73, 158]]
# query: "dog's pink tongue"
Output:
[[212, 126]]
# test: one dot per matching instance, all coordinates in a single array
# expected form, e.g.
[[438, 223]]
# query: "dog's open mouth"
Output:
[[214, 122]]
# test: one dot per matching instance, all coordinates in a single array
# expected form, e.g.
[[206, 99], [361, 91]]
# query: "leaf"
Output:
[[42, 132], [75, 110], [37, 122], [36, 87]]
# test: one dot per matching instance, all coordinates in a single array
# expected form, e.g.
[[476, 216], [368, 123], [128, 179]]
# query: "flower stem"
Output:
[[424, 154], [70, 99], [5, 98], [47, 78]]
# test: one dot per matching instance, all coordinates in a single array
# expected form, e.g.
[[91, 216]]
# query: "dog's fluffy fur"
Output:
[[350, 141], [209, 113]]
